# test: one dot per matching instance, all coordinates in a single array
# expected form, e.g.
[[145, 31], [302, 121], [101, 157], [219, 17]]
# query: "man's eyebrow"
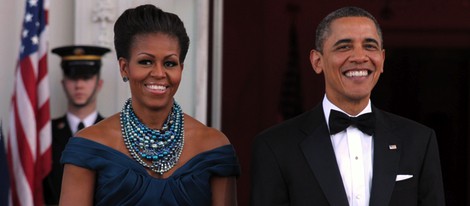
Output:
[[342, 41], [371, 40]]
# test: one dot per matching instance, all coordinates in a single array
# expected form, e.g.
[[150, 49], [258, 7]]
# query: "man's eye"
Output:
[[343, 47], [371, 47]]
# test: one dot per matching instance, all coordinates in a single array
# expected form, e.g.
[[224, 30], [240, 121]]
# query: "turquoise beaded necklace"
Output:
[[162, 147]]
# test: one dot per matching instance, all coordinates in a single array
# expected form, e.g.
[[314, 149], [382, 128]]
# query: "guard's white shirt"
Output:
[[74, 120], [354, 151]]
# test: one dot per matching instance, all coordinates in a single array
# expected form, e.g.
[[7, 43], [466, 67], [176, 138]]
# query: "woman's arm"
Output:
[[224, 191], [77, 186]]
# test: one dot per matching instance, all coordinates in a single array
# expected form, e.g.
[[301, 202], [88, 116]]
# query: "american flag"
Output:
[[29, 132]]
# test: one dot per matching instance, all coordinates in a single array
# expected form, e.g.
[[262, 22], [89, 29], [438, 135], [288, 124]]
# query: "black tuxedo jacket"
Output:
[[294, 164], [61, 134]]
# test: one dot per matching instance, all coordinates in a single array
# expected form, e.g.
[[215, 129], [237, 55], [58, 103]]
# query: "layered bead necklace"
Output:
[[162, 147]]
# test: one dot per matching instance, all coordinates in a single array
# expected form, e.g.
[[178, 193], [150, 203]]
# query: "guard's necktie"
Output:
[[80, 126], [339, 121]]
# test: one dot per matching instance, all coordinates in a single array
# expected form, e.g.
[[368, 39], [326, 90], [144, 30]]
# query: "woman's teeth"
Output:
[[156, 87]]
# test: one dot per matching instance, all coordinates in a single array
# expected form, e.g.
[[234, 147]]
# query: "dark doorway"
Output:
[[431, 86]]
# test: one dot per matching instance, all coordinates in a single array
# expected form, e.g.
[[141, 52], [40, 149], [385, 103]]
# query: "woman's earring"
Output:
[[125, 79]]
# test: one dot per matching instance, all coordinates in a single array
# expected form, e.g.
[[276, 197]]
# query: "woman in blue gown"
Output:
[[150, 153]]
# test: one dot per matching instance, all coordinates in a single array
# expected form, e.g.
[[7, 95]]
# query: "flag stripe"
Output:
[[16, 180], [22, 164], [26, 155], [28, 80], [24, 127]]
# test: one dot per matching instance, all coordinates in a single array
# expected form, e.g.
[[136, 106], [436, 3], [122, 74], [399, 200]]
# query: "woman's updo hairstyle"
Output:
[[146, 19]]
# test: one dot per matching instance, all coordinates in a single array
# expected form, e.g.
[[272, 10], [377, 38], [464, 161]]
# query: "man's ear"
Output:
[[100, 84], [316, 59], [383, 59]]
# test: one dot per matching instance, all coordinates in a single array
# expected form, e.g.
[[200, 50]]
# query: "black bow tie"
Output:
[[339, 121]]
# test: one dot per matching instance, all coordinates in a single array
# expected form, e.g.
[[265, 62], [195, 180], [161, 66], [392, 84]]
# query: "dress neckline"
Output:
[[139, 167]]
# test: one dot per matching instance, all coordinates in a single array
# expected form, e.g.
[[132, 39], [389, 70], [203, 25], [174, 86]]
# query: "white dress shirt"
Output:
[[354, 154], [74, 120]]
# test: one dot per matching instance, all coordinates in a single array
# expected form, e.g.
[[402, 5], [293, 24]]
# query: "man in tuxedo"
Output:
[[345, 151], [81, 82]]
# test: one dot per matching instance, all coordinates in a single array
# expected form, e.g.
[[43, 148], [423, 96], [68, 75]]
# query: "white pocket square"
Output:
[[403, 177]]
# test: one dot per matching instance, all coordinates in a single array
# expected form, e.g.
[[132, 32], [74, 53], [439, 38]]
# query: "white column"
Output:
[[217, 65]]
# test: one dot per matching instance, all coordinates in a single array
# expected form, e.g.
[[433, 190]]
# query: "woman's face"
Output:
[[154, 70]]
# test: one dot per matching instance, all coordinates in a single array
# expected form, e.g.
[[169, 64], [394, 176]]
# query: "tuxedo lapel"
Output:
[[320, 156], [387, 151], [98, 118], [61, 129]]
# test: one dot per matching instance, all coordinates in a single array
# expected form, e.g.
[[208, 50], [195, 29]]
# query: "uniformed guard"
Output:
[[81, 82]]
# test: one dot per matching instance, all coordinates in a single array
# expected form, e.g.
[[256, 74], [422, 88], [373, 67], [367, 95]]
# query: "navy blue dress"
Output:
[[120, 180]]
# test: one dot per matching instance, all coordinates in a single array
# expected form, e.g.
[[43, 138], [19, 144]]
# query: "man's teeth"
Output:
[[156, 87], [356, 73]]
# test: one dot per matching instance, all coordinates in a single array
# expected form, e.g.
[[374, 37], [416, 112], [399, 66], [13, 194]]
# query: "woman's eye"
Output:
[[145, 62], [170, 64]]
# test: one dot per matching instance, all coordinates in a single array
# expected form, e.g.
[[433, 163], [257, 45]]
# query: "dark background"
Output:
[[425, 77]]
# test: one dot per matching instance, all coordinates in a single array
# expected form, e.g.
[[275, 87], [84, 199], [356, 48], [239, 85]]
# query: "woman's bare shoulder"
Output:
[[205, 137]]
